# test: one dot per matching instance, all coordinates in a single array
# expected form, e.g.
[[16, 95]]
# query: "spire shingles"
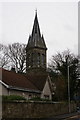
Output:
[[35, 39]]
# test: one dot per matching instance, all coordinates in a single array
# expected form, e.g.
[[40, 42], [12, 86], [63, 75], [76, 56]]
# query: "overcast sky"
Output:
[[58, 22]]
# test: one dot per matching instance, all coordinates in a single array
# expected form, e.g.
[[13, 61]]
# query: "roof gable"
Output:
[[47, 88]]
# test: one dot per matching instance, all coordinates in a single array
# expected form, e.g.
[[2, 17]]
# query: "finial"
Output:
[[36, 11]]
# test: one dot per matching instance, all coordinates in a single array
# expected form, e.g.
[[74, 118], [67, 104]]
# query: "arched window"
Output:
[[29, 60], [38, 59], [43, 59], [32, 59]]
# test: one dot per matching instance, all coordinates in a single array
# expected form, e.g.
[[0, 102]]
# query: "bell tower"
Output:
[[36, 49]]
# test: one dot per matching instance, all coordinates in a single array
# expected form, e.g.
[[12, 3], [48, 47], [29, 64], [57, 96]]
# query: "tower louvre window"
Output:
[[32, 61], [43, 59], [38, 59], [29, 60]]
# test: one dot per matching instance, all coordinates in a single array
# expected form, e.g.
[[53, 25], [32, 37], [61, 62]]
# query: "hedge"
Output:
[[12, 97]]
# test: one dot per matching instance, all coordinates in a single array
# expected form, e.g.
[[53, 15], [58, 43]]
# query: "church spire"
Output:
[[36, 29], [35, 39], [36, 49]]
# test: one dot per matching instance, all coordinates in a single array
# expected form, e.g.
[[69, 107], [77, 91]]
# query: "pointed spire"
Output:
[[36, 40], [43, 42], [36, 29], [42, 37], [36, 15], [36, 11]]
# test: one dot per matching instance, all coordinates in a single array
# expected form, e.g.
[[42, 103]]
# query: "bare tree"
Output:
[[4, 60], [13, 55], [17, 54]]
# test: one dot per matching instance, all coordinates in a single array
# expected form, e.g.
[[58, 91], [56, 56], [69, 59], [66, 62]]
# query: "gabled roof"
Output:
[[29, 81], [16, 80]]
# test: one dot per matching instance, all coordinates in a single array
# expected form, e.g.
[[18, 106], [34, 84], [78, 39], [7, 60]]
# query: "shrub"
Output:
[[39, 99], [12, 97]]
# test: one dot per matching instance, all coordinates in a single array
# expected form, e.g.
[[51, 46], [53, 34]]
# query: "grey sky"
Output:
[[58, 22]]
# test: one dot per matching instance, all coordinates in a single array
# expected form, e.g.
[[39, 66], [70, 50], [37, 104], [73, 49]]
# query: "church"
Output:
[[36, 82]]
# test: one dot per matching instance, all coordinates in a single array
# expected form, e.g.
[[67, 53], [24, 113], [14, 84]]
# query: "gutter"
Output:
[[7, 86], [19, 89]]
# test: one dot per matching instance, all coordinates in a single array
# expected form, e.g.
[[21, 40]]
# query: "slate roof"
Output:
[[30, 82], [36, 39], [38, 80]]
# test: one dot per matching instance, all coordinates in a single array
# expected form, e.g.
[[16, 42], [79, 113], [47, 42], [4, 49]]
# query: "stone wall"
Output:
[[34, 109]]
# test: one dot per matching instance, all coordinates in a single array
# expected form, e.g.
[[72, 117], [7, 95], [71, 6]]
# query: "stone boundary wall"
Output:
[[34, 109]]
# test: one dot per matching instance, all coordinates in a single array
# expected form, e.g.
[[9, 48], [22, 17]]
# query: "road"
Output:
[[71, 116], [76, 117]]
